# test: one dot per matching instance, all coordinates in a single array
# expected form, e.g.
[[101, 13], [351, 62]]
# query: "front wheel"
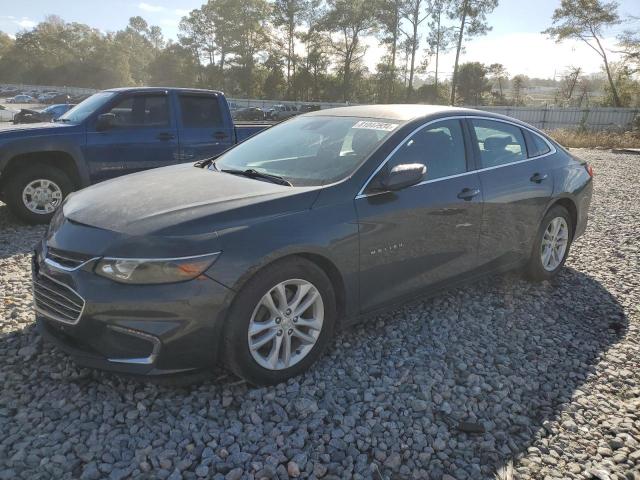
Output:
[[551, 247], [34, 194], [280, 322]]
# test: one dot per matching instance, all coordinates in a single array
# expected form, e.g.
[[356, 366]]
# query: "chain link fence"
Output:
[[547, 118]]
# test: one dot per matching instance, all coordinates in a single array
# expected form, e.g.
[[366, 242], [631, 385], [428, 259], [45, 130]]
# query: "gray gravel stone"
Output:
[[541, 380]]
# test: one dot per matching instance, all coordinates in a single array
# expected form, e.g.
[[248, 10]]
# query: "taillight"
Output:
[[589, 169]]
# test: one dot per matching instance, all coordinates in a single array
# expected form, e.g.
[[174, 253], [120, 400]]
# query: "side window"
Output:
[[439, 146], [156, 111], [123, 112], [141, 111], [537, 146], [199, 111], [499, 143]]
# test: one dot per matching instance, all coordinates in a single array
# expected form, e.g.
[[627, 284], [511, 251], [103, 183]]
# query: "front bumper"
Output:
[[136, 329]]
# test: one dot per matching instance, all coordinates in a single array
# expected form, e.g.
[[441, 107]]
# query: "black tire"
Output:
[[535, 270], [238, 357], [20, 179]]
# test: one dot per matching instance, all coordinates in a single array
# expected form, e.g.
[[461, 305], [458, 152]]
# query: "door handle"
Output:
[[165, 136], [538, 177], [219, 135], [468, 193]]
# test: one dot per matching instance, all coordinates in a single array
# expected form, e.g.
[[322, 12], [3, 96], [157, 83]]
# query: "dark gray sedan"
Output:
[[253, 259]]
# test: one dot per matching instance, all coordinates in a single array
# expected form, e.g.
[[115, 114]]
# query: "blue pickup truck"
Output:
[[112, 133]]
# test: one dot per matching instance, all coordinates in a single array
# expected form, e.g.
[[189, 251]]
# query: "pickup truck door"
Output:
[[143, 135], [205, 126]]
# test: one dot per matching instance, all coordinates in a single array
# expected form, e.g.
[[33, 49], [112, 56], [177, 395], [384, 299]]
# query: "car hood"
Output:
[[183, 200], [34, 129]]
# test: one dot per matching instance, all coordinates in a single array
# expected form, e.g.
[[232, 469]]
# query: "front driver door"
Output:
[[143, 136], [425, 234]]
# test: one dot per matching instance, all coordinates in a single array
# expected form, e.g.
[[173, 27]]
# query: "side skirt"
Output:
[[431, 291]]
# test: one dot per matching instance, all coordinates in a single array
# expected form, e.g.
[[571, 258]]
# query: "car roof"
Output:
[[164, 89], [402, 112], [408, 112]]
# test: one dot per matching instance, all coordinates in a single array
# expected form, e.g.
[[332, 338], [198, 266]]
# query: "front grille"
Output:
[[68, 260], [56, 301]]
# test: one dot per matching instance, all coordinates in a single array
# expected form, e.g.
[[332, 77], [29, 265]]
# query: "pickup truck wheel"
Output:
[[34, 194]]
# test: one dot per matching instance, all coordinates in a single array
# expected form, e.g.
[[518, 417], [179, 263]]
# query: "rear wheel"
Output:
[[34, 194], [280, 322], [552, 244]]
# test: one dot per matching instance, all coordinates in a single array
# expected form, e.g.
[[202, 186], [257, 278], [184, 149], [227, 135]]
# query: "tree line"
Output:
[[309, 50]]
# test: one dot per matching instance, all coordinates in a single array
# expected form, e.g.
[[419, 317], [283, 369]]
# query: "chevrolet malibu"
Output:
[[254, 258]]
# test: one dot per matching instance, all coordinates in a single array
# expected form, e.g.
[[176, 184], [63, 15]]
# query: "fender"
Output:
[[335, 249], [69, 140]]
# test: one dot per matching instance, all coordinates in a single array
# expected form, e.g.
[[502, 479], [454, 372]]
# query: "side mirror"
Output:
[[402, 176], [105, 121]]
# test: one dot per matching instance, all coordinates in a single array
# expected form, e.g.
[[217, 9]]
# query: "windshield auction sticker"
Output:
[[386, 127]]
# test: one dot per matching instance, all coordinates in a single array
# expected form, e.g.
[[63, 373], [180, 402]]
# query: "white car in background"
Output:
[[21, 99], [6, 114]]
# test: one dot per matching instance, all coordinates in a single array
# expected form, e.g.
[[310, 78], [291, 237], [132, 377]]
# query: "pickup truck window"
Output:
[[142, 111], [199, 111], [310, 150], [81, 111]]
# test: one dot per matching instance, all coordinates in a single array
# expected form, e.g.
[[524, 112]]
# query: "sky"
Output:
[[515, 40]]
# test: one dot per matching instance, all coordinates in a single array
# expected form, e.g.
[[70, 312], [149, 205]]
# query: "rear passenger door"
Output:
[[203, 130], [517, 186]]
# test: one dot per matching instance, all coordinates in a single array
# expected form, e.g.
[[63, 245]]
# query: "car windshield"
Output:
[[315, 150], [81, 111]]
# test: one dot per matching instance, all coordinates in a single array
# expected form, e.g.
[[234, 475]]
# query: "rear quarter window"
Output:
[[537, 145]]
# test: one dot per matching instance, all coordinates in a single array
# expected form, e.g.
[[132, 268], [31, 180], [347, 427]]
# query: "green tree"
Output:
[[568, 84], [288, 14], [586, 20], [415, 15], [389, 17], [6, 43], [627, 87], [473, 83], [275, 82], [350, 20], [175, 65], [518, 84], [630, 44], [310, 81], [498, 74], [249, 38], [139, 49], [472, 18], [440, 36]]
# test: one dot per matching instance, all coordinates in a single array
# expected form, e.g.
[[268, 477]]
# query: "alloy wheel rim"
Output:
[[286, 324], [554, 244], [42, 196]]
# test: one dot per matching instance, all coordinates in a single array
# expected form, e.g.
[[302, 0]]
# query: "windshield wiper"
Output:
[[251, 173]]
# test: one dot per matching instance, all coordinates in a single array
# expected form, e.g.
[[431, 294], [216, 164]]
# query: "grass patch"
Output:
[[587, 139]]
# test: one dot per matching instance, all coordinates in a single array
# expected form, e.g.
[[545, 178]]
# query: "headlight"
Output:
[[154, 270]]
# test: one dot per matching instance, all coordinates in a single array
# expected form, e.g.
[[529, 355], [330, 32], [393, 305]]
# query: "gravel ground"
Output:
[[501, 379]]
